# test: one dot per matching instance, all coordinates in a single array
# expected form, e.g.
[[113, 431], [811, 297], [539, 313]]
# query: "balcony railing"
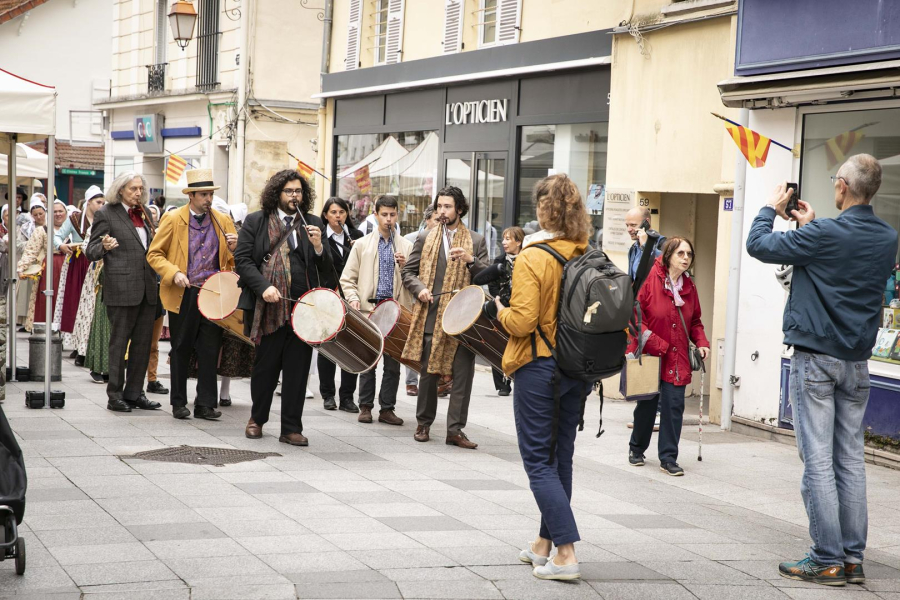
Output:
[[156, 78]]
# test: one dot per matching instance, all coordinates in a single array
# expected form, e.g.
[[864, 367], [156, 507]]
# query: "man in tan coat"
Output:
[[371, 275]]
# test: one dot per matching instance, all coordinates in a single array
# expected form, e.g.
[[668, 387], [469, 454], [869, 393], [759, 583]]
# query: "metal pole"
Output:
[[48, 294], [323, 103], [244, 69], [13, 260], [734, 281]]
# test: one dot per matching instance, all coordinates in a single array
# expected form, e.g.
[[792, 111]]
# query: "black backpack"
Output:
[[596, 302]]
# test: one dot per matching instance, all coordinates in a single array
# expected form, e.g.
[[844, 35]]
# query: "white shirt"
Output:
[[296, 215], [339, 238]]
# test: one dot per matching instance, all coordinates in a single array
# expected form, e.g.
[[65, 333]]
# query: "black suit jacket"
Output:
[[341, 259], [253, 246], [128, 277]]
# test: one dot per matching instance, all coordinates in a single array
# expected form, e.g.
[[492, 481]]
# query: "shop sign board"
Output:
[[476, 111], [148, 133], [615, 236], [86, 172]]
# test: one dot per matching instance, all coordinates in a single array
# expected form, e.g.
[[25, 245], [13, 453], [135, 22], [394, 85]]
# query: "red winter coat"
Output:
[[660, 316]]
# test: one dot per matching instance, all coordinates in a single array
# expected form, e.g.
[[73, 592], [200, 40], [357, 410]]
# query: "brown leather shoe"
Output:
[[412, 390], [365, 414], [388, 416], [444, 388], [253, 431], [422, 433], [460, 439], [294, 439]]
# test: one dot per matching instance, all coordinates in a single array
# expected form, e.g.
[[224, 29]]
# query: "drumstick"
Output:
[[442, 293], [289, 299]]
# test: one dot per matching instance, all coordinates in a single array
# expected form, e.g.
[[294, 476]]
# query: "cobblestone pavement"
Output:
[[366, 512]]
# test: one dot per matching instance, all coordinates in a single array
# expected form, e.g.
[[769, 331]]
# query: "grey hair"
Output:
[[118, 184], [429, 210], [862, 174]]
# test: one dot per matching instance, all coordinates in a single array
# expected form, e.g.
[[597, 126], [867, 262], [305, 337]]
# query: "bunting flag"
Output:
[[753, 146], [838, 147], [363, 181], [174, 168], [304, 169]]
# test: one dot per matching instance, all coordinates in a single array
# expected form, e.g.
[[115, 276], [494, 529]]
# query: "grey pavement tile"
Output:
[[505, 555], [159, 500], [266, 474], [158, 594], [463, 539], [339, 457], [648, 521], [240, 513], [697, 571], [371, 541], [396, 509], [87, 508], [732, 551], [356, 499], [76, 521], [745, 592], [362, 523], [288, 544], [100, 554], [136, 518], [339, 577], [481, 484], [464, 590], [307, 512], [123, 572], [340, 485], [501, 521], [641, 590], [617, 571], [654, 551], [210, 548], [55, 495], [239, 529], [41, 580], [85, 537], [136, 586], [211, 591], [824, 593], [293, 566], [413, 523], [276, 487], [203, 568], [367, 590], [93, 466], [43, 595], [53, 434], [528, 587], [453, 573], [408, 558], [687, 536], [176, 531]]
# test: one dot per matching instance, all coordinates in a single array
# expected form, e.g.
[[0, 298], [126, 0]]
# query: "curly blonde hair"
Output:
[[560, 208]]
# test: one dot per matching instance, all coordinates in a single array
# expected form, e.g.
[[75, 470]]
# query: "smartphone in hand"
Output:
[[793, 203]]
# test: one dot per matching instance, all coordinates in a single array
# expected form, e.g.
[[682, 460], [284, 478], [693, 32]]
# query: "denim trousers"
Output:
[[670, 403], [829, 398], [551, 483]]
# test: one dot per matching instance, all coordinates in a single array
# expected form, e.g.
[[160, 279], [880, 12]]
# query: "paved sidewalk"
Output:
[[366, 512]]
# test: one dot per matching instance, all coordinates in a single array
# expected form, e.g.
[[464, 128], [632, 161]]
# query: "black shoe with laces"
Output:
[[635, 460], [155, 387], [181, 412], [204, 412], [329, 404], [671, 468], [97, 377]]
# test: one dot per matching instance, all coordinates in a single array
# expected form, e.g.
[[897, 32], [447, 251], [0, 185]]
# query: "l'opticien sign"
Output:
[[476, 111]]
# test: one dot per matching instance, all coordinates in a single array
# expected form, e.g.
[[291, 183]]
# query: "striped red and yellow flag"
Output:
[[838, 147], [304, 169], [174, 168], [753, 146]]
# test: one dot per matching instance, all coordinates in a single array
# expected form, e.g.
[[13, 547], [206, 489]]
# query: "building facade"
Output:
[[828, 104]]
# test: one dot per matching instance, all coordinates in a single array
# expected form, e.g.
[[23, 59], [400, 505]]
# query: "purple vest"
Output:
[[203, 250]]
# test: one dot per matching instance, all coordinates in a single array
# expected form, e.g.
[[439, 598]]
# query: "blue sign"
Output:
[[729, 204]]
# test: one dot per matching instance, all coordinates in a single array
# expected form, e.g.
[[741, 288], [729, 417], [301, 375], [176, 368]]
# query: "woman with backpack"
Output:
[[531, 316], [670, 311]]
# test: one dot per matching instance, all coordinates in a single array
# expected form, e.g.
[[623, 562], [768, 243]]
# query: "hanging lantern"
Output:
[[182, 19]]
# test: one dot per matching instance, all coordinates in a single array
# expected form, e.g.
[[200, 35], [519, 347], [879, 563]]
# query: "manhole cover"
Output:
[[199, 455]]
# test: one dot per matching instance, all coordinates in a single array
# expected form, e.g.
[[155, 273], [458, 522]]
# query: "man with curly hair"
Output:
[[274, 266]]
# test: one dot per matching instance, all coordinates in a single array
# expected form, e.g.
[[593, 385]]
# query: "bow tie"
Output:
[[136, 213]]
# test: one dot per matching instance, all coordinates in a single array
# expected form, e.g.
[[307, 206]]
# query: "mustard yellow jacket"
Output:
[[168, 254], [536, 280]]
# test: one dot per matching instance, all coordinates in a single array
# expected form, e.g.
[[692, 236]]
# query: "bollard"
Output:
[[36, 342]]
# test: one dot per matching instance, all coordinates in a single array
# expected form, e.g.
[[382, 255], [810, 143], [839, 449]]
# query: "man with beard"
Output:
[[274, 266], [444, 258], [192, 244]]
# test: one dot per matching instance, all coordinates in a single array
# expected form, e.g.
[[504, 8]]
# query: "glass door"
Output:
[[482, 177]]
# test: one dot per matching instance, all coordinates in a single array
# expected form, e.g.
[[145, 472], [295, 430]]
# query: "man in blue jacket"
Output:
[[831, 319]]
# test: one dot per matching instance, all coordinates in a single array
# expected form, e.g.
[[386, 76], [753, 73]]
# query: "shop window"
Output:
[[579, 151], [404, 164], [828, 140]]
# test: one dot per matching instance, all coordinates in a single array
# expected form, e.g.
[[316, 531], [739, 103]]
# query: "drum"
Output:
[[341, 333], [234, 324], [393, 320], [464, 320], [218, 297]]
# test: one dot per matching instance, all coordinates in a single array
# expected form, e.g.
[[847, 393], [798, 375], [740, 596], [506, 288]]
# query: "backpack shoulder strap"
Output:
[[559, 257]]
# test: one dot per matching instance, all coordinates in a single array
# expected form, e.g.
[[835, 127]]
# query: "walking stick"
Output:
[[700, 423]]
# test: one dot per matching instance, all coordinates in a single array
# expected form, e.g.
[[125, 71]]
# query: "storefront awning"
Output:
[[857, 82]]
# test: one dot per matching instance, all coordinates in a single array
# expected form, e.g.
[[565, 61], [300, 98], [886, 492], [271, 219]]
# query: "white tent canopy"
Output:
[[387, 152], [29, 163], [29, 109]]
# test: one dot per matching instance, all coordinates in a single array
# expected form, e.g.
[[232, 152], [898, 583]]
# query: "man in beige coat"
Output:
[[371, 275]]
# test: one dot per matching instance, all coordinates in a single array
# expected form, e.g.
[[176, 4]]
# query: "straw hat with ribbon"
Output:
[[199, 180]]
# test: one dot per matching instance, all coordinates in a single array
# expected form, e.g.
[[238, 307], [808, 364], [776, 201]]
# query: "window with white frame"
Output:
[[487, 23], [380, 26]]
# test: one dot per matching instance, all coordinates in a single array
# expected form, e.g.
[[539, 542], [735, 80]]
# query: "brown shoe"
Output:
[[412, 390], [460, 439], [444, 388], [388, 416], [253, 431], [422, 433], [365, 414], [294, 439]]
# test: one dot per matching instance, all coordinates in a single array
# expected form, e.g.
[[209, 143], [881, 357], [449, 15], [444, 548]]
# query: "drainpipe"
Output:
[[243, 72], [734, 281], [323, 102]]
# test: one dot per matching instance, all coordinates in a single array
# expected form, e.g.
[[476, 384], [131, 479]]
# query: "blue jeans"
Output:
[[829, 397], [551, 484], [670, 404]]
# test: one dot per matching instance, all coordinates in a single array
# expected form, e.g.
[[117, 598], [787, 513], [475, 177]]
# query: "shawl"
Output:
[[269, 317], [443, 346]]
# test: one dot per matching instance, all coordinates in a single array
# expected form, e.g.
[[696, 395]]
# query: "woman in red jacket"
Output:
[[667, 291]]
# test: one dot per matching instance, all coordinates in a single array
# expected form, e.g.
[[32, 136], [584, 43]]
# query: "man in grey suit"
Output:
[[120, 235], [450, 207]]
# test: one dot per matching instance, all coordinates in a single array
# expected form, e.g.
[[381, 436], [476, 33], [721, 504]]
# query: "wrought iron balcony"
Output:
[[156, 78]]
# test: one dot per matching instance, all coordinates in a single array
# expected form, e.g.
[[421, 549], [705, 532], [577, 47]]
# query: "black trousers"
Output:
[[280, 353], [129, 324], [191, 330], [500, 381], [326, 380], [390, 381], [670, 402]]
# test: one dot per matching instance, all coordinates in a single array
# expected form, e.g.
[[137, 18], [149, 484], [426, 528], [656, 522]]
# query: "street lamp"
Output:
[[182, 19]]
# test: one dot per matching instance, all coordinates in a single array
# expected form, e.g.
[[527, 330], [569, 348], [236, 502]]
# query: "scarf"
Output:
[[443, 346], [675, 288], [269, 317], [136, 213], [538, 237]]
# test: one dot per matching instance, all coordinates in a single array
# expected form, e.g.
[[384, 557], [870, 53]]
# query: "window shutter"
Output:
[[509, 15], [354, 25], [453, 26], [393, 47]]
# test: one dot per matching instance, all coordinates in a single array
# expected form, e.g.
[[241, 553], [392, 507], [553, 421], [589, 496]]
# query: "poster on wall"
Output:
[[595, 198], [616, 204]]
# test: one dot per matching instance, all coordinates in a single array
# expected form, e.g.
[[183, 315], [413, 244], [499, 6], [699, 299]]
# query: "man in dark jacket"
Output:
[[637, 223], [269, 277], [831, 319]]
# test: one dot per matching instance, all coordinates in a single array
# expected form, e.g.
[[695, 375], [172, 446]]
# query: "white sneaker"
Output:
[[551, 570], [309, 394], [528, 556]]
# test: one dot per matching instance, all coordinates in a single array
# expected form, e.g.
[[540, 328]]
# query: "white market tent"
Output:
[[387, 152], [29, 113], [30, 164]]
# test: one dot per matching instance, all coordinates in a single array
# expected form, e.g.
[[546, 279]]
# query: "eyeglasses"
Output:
[[293, 192], [685, 253], [834, 179]]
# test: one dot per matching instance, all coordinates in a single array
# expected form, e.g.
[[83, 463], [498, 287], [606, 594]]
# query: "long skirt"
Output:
[[85, 315], [38, 310], [78, 267], [97, 357], [60, 295]]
